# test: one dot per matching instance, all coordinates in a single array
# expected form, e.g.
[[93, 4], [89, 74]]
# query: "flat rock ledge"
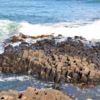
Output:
[[71, 60], [34, 94]]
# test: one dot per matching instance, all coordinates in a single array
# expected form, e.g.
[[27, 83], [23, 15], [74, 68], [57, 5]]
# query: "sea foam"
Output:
[[89, 31]]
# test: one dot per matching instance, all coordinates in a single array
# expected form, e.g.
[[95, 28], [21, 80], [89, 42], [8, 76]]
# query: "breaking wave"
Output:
[[89, 31]]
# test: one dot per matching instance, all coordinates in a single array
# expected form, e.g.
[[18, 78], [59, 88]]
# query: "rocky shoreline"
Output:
[[61, 60], [70, 61], [34, 94]]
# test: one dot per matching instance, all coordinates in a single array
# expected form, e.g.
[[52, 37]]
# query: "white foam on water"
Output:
[[30, 40], [1, 49], [89, 31], [15, 44], [8, 28], [12, 78]]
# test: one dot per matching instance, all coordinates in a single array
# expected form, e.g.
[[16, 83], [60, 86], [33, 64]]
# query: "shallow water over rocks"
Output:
[[20, 83]]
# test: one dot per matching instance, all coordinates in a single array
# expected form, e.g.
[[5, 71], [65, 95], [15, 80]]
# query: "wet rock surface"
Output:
[[71, 60], [34, 94]]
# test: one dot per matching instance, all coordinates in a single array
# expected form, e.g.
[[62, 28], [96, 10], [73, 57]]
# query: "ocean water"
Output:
[[35, 17], [50, 11], [21, 82]]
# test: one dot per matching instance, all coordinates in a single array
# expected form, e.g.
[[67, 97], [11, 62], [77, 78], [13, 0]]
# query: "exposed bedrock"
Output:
[[34, 94], [68, 61]]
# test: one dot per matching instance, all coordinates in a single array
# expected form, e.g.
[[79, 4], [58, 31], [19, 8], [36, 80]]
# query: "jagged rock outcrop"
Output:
[[67, 61]]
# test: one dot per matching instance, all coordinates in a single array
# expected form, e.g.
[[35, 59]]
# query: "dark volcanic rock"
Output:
[[66, 61]]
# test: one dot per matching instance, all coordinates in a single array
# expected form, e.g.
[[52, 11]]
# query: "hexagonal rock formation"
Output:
[[67, 61], [34, 94]]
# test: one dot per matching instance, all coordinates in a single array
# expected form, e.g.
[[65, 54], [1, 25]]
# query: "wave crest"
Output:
[[89, 31]]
